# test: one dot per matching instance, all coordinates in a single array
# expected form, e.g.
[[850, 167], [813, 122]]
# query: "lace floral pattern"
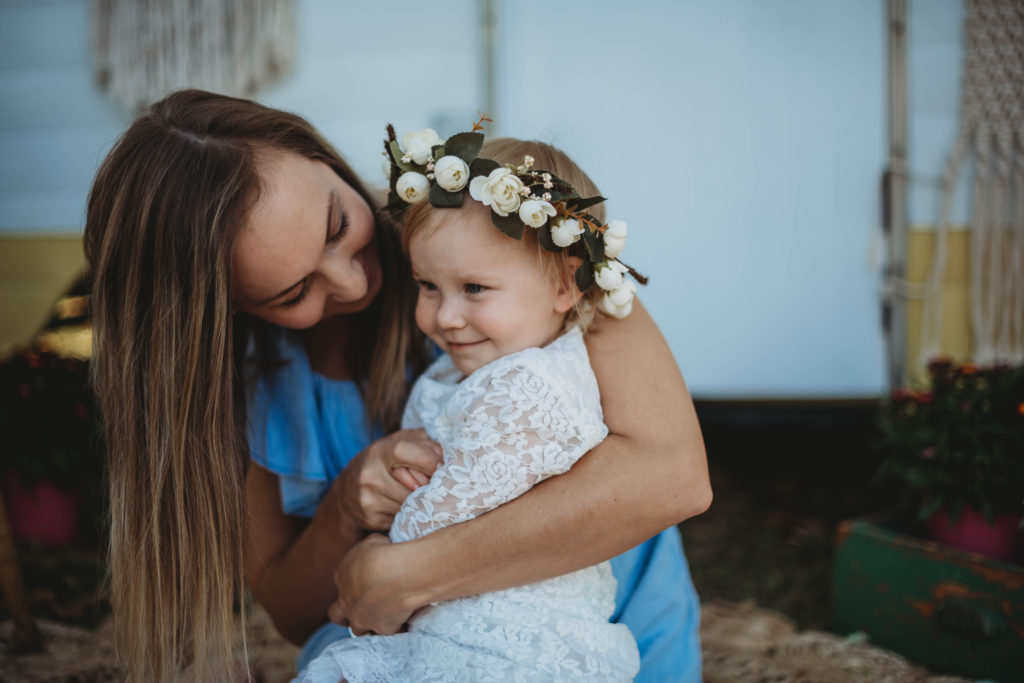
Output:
[[509, 425]]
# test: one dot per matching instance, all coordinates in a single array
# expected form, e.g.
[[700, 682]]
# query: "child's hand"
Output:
[[371, 489], [409, 478]]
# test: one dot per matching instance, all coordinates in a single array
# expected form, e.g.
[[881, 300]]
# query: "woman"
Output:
[[220, 230]]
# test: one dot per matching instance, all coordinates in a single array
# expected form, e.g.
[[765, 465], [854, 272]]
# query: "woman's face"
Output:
[[307, 251]]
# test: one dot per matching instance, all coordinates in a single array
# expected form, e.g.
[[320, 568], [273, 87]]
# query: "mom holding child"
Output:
[[255, 345]]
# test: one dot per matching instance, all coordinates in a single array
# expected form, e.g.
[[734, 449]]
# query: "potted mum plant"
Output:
[[956, 449]]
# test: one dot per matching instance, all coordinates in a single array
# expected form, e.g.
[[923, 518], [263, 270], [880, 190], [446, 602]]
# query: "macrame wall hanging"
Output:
[[147, 48], [991, 135]]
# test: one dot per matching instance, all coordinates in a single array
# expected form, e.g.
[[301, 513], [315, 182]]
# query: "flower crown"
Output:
[[423, 166]]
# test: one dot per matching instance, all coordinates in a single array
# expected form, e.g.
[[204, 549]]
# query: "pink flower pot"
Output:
[[972, 532], [43, 514]]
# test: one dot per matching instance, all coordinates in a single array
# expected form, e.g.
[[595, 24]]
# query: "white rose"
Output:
[[412, 187], [500, 190], [535, 212], [619, 302], [451, 172], [610, 275], [420, 144], [614, 238], [623, 295], [565, 232]]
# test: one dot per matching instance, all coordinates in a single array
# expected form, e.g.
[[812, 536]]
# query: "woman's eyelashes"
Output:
[[340, 232], [297, 299]]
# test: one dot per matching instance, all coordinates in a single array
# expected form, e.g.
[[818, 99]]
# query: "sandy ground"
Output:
[[741, 643]]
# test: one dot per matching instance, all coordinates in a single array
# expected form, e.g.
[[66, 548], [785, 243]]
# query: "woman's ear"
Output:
[[568, 293]]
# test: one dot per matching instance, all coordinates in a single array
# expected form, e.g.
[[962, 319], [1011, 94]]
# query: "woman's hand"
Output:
[[371, 598], [372, 487]]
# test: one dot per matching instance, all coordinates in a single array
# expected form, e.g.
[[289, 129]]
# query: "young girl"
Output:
[[513, 402]]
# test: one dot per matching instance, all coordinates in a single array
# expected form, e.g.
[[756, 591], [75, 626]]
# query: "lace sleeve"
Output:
[[501, 435]]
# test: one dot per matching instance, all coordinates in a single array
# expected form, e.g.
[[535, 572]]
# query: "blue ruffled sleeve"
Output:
[[304, 427]]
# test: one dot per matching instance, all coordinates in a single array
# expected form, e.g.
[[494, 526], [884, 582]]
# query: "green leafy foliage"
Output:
[[511, 224], [585, 276], [961, 440], [396, 156], [464, 145], [594, 243], [443, 198], [576, 205], [482, 167], [544, 238]]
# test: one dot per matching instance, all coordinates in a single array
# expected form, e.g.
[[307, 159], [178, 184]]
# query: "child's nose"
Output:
[[449, 316]]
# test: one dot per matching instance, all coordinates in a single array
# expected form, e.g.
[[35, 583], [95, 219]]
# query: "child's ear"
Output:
[[568, 293]]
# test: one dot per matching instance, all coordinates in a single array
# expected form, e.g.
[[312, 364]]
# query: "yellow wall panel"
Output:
[[33, 274], [955, 339]]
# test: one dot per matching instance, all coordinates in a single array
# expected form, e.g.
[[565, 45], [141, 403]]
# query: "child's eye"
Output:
[[473, 288], [426, 286]]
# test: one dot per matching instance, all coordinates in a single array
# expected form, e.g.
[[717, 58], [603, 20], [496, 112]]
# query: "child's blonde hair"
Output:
[[423, 216]]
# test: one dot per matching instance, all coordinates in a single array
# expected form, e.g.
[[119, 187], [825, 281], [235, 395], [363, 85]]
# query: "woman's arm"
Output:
[[649, 474], [290, 561]]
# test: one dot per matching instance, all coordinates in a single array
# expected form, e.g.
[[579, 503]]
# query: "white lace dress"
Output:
[[509, 425]]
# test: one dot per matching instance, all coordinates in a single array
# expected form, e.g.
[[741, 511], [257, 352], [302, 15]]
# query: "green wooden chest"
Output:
[[952, 611]]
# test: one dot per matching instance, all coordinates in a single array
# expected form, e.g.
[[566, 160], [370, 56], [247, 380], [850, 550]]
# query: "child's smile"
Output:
[[483, 295]]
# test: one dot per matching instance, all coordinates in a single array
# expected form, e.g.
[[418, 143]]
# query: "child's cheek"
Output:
[[423, 316]]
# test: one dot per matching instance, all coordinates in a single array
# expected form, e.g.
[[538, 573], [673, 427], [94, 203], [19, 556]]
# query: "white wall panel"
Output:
[[742, 141]]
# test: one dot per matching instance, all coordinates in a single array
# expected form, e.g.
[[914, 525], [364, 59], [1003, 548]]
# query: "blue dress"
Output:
[[305, 428]]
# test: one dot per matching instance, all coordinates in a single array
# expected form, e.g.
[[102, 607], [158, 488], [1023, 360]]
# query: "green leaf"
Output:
[[511, 225], [544, 237], [581, 203], [443, 198], [464, 145], [396, 156], [585, 276], [437, 151], [482, 167], [594, 244]]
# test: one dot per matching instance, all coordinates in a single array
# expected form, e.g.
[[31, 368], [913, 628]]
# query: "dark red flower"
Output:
[[900, 395]]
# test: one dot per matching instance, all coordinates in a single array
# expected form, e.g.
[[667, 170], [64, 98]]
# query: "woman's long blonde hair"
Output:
[[163, 215]]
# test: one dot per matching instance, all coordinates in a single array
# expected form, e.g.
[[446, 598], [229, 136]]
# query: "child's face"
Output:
[[482, 295]]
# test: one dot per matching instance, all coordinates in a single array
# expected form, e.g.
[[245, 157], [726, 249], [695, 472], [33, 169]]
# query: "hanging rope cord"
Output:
[[992, 133]]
